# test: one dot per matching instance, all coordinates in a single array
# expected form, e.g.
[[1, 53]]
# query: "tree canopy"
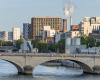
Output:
[[90, 41], [46, 47]]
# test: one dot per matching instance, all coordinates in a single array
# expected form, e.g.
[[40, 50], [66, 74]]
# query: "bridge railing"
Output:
[[49, 54]]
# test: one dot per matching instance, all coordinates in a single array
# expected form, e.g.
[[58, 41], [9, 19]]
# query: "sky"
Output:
[[17, 12]]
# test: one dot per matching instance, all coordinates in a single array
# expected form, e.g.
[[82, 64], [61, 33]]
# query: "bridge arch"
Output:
[[86, 68], [20, 70]]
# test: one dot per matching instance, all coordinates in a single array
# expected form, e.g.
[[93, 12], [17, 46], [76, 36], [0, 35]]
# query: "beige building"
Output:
[[16, 33], [48, 34], [56, 23], [4, 35], [90, 24]]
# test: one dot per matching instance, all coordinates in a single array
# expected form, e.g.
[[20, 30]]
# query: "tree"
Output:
[[18, 43], [88, 41], [35, 43], [91, 42], [43, 47], [97, 43], [6, 43], [84, 39], [52, 47], [61, 46]]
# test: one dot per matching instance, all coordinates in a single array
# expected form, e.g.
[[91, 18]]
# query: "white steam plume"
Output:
[[68, 8]]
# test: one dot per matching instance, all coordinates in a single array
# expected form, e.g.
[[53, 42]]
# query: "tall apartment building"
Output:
[[16, 33], [26, 30], [64, 25], [90, 24], [4, 35], [10, 36], [56, 23]]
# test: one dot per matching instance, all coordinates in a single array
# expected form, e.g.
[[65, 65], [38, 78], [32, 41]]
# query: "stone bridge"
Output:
[[25, 63]]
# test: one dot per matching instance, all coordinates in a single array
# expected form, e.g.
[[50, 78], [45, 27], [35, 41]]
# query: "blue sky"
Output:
[[17, 12]]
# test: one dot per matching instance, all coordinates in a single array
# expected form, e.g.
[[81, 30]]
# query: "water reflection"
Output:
[[44, 73], [56, 71], [7, 68], [82, 77]]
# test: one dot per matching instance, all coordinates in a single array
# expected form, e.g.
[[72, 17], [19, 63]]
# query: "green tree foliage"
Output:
[[35, 43], [46, 47], [89, 41], [43, 47], [18, 43], [97, 43], [61, 46], [52, 47], [6, 43]]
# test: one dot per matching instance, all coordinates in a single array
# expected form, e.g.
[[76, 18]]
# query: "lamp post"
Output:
[[68, 11], [88, 47], [95, 46]]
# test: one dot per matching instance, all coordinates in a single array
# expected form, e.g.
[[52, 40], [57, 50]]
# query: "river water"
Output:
[[9, 72]]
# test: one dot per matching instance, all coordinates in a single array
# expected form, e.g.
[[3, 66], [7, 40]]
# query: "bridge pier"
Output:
[[28, 70]]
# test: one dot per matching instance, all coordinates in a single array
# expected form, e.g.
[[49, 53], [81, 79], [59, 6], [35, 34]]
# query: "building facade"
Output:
[[75, 31], [4, 35], [58, 37], [48, 34], [16, 33], [90, 24], [56, 23], [26, 30], [10, 36], [64, 25]]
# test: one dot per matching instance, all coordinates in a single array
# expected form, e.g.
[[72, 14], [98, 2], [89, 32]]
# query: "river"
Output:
[[9, 72]]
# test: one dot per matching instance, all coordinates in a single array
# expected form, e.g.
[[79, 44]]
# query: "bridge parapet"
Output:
[[87, 61], [50, 54]]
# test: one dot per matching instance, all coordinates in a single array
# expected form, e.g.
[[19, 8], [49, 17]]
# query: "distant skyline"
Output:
[[17, 12]]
